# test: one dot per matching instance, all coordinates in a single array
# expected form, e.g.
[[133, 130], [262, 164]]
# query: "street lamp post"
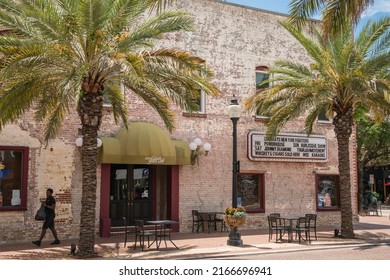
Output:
[[234, 111]]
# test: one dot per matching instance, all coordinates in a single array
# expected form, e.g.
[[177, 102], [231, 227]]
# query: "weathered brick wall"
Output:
[[233, 40]]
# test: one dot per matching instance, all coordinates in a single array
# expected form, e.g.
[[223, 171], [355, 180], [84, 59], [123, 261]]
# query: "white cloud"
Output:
[[379, 6]]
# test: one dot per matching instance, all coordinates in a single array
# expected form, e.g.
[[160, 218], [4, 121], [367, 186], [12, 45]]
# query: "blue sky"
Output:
[[282, 6]]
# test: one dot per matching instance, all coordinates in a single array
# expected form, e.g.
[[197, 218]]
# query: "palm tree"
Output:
[[64, 52], [336, 14], [339, 78]]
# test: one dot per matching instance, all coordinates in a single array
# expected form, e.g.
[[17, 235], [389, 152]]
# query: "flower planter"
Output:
[[234, 217], [233, 221]]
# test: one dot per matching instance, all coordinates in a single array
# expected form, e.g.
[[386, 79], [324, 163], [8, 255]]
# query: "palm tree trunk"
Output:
[[88, 199], [343, 129], [90, 112]]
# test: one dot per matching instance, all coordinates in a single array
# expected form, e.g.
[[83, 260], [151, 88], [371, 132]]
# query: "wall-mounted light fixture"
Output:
[[197, 151], [79, 142]]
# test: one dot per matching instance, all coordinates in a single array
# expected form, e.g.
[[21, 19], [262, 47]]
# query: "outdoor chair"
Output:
[[277, 225], [126, 229], [197, 221], [211, 219], [271, 227], [218, 219], [141, 234], [302, 229], [312, 224], [275, 214]]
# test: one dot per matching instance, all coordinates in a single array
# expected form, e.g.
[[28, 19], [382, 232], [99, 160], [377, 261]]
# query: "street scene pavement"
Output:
[[371, 243]]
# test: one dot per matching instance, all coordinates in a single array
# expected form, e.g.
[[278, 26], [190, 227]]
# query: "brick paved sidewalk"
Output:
[[369, 230]]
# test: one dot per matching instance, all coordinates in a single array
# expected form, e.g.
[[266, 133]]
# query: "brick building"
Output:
[[138, 177]]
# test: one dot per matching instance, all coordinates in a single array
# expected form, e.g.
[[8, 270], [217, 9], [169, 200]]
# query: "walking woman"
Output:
[[50, 205]]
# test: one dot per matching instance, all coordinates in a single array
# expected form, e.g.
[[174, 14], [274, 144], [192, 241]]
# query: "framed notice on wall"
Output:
[[250, 191], [328, 191], [287, 147]]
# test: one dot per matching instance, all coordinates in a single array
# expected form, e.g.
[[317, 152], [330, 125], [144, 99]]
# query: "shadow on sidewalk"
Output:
[[370, 230]]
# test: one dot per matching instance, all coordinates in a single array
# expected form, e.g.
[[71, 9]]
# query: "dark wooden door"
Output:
[[130, 194]]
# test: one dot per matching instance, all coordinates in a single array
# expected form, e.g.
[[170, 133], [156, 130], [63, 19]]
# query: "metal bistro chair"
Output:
[[141, 233], [126, 229], [212, 220], [312, 223], [302, 229], [277, 225], [197, 221], [270, 227], [219, 219]]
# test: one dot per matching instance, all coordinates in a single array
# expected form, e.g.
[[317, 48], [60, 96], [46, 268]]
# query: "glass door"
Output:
[[141, 191], [119, 194], [130, 192]]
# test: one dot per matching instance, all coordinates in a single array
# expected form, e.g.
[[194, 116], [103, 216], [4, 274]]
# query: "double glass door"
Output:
[[130, 193]]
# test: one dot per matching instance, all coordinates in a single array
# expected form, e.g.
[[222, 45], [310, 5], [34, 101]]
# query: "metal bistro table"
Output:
[[291, 225], [162, 232]]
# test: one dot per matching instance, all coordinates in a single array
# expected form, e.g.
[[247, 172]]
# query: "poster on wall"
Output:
[[328, 191], [248, 191], [287, 147]]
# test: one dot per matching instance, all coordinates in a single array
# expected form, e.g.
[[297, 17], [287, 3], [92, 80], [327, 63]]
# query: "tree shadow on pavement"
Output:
[[369, 247], [52, 254], [373, 236], [366, 226]]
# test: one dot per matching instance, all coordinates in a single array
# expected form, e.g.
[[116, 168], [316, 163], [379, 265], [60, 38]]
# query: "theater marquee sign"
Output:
[[288, 147]]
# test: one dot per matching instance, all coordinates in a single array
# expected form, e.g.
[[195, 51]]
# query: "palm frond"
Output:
[[301, 10], [122, 14], [374, 37], [147, 33], [113, 92], [312, 116], [312, 47], [159, 5], [337, 15], [171, 67], [152, 96]]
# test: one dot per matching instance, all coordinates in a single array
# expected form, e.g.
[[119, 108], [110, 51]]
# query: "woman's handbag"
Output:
[[41, 213]]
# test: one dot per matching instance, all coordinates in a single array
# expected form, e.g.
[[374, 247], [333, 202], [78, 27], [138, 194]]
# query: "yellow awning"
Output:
[[144, 143], [183, 152], [110, 152]]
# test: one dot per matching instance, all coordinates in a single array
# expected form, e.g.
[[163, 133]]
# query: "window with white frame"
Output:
[[261, 76], [13, 177], [323, 118], [199, 103]]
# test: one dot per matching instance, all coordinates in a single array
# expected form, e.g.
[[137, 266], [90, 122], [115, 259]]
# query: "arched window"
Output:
[[261, 76]]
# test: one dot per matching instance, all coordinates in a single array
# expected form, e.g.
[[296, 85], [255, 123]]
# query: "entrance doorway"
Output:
[[130, 193], [143, 191]]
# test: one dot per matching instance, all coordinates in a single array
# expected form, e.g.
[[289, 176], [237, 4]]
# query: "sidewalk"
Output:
[[371, 229]]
